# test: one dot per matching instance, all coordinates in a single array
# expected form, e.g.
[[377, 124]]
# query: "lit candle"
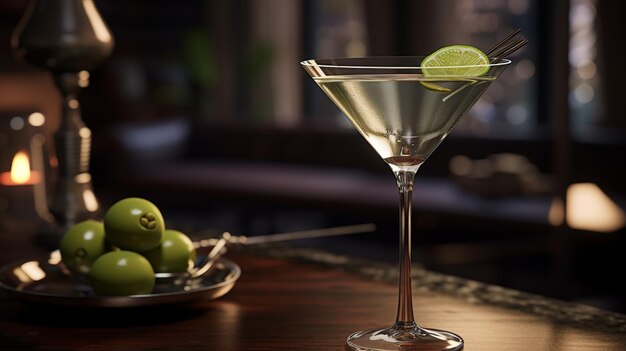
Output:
[[18, 192], [20, 173]]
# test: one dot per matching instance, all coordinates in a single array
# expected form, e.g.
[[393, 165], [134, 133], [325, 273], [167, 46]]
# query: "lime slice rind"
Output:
[[456, 61], [434, 87]]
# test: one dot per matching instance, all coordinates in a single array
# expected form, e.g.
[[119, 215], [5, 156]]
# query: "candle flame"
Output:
[[20, 168]]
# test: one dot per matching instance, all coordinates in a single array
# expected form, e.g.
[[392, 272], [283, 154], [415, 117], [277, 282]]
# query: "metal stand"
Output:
[[67, 38]]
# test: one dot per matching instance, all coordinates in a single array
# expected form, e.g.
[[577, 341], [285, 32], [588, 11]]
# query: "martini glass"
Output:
[[404, 114]]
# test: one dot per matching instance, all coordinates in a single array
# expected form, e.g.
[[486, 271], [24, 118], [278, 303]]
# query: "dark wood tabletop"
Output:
[[300, 299]]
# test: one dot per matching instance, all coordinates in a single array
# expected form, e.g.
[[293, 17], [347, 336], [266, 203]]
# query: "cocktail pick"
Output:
[[219, 247], [501, 50], [506, 46], [270, 238]]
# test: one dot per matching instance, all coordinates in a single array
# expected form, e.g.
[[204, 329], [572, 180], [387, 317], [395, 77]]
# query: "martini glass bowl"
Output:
[[404, 112]]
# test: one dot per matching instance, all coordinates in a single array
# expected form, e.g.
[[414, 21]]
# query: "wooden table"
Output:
[[297, 299]]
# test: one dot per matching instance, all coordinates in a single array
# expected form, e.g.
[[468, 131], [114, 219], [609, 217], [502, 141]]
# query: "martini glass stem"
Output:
[[404, 318]]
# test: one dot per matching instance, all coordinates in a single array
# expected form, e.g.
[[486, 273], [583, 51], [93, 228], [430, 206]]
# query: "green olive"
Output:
[[134, 224], [122, 273], [175, 254], [81, 245]]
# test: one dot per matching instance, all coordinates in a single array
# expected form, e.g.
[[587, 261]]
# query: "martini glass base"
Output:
[[405, 339]]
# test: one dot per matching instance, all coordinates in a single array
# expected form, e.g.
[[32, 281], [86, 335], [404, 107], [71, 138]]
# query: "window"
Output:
[[584, 77]]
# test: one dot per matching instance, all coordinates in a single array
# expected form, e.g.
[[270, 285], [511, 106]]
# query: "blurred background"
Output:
[[204, 109]]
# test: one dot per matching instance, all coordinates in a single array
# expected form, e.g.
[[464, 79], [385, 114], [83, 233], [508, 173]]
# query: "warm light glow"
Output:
[[33, 271], [36, 119], [20, 173], [556, 214], [84, 132], [91, 203], [55, 257], [83, 178], [100, 29], [83, 79], [21, 276], [20, 168], [589, 208], [587, 70]]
